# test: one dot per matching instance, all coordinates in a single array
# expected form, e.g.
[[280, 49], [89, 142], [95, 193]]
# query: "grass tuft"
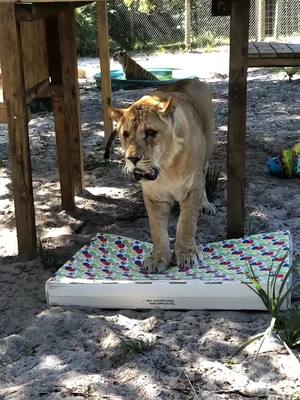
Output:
[[284, 325], [48, 259], [211, 185]]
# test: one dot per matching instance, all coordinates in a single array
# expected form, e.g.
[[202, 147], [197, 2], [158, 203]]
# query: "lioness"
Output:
[[167, 138]]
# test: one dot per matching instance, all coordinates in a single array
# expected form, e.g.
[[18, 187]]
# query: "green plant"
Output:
[[290, 332], [272, 299], [253, 224], [211, 185], [48, 259], [285, 326], [138, 345], [291, 71]]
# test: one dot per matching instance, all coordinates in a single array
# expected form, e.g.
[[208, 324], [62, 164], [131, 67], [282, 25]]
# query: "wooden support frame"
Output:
[[3, 115], [261, 20], [236, 152], [63, 141], [32, 12], [105, 67], [17, 118], [67, 40]]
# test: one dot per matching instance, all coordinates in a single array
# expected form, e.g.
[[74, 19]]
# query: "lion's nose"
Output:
[[134, 160]]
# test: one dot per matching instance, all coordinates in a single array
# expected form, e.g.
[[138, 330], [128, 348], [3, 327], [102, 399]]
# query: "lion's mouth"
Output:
[[148, 176]]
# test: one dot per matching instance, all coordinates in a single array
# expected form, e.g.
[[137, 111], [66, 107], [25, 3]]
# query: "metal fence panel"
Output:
[[158, 25]]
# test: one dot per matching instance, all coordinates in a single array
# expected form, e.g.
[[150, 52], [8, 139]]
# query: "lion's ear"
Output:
[[167, 107], [115, 113]]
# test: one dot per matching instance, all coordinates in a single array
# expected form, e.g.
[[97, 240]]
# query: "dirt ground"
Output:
[[66, 353]]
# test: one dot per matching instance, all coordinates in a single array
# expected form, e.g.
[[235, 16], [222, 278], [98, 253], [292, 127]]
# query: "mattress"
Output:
[[107, 273]]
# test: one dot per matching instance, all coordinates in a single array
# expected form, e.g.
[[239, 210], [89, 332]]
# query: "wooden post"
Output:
[[17, 118], [278, 12], [187, 25], [236, 154], [261, 20], [67, 38], [105, 66], [63, 138]]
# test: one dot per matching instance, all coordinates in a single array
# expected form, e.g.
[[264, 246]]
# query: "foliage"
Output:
[[138, 345], [86, 29], [272, 299], [47, 257], [253, 223], [291, 71], [212, 179], [284, 325]]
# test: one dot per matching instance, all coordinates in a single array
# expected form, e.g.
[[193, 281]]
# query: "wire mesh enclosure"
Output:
[[157, 25]]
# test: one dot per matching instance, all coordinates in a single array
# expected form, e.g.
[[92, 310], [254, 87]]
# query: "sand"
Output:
[[71, 353]]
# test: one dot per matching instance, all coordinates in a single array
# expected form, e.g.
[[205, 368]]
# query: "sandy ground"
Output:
[[61, 353]]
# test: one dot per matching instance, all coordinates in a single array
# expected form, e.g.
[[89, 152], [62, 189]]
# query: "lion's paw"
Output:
[[209, 209], [189, 260], [155, 265]]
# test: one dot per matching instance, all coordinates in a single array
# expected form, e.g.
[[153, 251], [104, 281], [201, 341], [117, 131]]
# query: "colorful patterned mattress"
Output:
[[107, 273]]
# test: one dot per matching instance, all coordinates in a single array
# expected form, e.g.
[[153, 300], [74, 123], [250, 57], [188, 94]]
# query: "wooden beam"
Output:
[[105, 67], [32, 12], [63, 138], [187, 25], [261, 17], [67, 39], [17, 118], [3, 114], [274, 62], [236, 153]]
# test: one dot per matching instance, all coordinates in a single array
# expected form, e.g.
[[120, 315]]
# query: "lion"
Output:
[[167, 138]]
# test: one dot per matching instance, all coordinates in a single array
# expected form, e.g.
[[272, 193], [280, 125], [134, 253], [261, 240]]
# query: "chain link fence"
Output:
[[158, 25]]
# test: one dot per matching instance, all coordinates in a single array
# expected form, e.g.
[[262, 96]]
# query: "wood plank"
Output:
[[14, 89], [282, 50], [105, 67], [34, 52], [252, 50], [3, 114], [265, 50], [236, 152], [64, 155], [67, 37], [31, 12], [50, 1], [63, 138], [295, 48], [261, 19], [274, 62], [187, 25]]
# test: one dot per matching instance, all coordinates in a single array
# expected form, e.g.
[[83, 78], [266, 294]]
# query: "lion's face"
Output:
[[144, 130]]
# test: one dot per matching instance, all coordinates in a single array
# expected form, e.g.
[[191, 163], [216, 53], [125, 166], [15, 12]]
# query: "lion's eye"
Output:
[[150, 133], [125, 135]]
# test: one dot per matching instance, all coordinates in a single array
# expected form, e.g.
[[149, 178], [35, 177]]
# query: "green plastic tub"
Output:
[[165, 76]]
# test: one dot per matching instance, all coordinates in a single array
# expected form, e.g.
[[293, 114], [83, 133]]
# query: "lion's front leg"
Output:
[[158, 213], [187, 253]]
